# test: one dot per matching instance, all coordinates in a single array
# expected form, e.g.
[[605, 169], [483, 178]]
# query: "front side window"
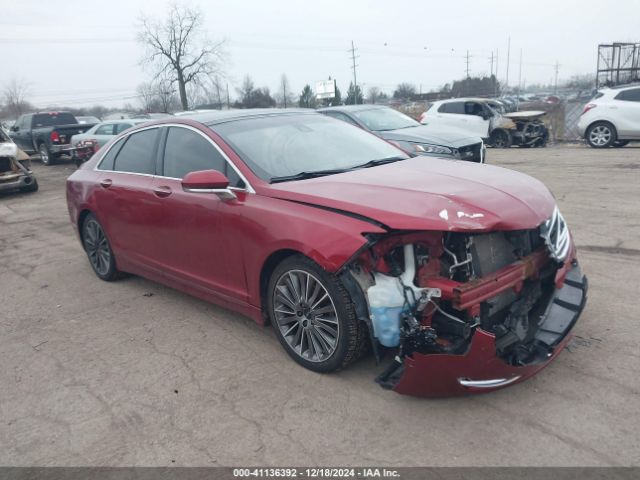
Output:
[[279, 146], [382, 119], [137, 155], [473, 108], [106, 129], [187, 151]]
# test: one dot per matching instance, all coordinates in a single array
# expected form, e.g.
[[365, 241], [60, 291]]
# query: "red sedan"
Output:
[[459, 277]]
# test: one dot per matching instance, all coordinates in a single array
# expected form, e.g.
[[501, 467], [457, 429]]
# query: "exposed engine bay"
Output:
[[525, 129], [432, 292]]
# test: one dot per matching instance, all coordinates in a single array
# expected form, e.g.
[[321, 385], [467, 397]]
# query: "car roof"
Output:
[[623, 87], [468, 99], [134, 121], [223, 116], [353, 108]]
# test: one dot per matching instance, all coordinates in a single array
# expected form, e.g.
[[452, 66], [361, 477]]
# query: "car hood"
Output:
[[429, 134], [429, 194]]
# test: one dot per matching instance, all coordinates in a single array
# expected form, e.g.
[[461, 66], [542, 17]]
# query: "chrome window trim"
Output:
[[248, 189]]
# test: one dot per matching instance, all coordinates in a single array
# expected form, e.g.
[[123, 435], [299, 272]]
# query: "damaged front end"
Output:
[[15, 168], [467, 312]]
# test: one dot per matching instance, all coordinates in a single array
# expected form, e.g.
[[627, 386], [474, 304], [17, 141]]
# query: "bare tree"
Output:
[[178, 48], [15, 96], [373, 94], [285, 97], [166, 95], [147, 95]]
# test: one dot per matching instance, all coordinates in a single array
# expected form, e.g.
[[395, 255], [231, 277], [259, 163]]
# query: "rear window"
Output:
[[52, 119]]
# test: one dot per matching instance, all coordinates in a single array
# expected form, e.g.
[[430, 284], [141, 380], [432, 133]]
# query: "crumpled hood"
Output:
[[448, 137], [429, 194]]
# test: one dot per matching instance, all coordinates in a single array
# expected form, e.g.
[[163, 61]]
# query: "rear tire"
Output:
[[601, 135], [45, 155], [313, 316], [98, 249]]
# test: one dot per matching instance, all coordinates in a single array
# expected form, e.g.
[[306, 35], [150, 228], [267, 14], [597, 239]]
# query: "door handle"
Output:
[[106, 183], [162, 191]]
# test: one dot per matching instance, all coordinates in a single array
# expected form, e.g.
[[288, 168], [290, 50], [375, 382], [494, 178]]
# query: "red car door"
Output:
[[192, 239], [124, 196]]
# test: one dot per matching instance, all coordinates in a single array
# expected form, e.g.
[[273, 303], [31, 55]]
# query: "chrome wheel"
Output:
[[44, 154], [600, 135], [306, 315], [97, 247]]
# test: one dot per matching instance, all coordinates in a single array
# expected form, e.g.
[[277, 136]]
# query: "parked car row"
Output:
[[485, 118], [345, 237], [46, 133]]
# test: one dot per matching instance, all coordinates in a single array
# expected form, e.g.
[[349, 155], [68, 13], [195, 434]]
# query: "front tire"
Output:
[[501, 138], [32, 187], [601, 135], [620, 143], [98, 249], [313, 316]]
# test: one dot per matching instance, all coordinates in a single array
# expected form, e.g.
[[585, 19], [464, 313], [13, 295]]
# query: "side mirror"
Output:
[[15, 128], [208, 181]]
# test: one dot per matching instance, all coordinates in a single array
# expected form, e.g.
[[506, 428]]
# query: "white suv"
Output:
[[612, 118]]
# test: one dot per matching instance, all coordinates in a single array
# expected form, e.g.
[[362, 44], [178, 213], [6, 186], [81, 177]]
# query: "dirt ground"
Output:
[[133, 373]]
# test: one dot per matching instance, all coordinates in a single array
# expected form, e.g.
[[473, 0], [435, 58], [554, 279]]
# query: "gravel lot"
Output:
[[132, 373]]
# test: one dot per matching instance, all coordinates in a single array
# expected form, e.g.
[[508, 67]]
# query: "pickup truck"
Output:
[[46, 133]]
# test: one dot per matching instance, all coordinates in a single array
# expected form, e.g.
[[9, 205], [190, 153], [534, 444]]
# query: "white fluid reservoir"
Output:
[[387, 300]]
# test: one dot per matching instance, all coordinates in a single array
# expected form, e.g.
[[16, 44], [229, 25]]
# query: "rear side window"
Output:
[[137, 155], [53, 119], [452, 107], [105, 129], [107, 161], [632, 95]]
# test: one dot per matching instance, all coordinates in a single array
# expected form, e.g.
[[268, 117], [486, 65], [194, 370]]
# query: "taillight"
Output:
[[588, 107], [55, 137]]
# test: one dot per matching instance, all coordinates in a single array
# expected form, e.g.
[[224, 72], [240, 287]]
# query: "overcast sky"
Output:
[[83, 52]]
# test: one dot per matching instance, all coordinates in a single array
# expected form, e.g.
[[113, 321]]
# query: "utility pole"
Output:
[[228, 96], [520, 74], [467, 57], [496, 83], [353, 66], [491, 62], [555, 85], [506, 83]]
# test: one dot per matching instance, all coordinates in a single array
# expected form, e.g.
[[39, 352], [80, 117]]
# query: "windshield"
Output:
[[286, 145], [381, 119]]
